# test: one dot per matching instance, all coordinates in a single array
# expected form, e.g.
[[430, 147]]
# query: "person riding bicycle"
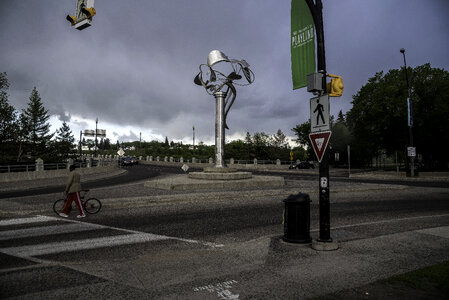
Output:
[[72, 190]]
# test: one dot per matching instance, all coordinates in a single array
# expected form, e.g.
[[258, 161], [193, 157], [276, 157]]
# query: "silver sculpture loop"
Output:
[[217, 80]]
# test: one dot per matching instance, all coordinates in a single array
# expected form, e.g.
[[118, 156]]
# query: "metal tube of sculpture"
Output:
[[216, 81]]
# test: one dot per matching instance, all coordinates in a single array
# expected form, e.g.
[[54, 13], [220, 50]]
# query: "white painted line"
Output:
[[437, 231], [223, 289], [52, 248], [19, 221], [47, 230], [387, 221]]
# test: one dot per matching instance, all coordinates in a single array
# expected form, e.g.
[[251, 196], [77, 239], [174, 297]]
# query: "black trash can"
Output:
[[297, 219]]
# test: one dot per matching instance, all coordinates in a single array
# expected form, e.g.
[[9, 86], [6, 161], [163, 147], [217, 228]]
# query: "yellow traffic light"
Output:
[[84, 12], [71, 19], [335, 87], [89, 12]]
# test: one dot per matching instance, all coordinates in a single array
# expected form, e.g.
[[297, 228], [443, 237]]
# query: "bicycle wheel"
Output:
[[58, 206], [92, 205]]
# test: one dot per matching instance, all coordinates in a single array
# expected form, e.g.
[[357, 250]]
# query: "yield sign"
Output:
[[319, 142]]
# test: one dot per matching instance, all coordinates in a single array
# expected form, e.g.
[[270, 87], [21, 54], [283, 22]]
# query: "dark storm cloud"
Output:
[[135, 66]]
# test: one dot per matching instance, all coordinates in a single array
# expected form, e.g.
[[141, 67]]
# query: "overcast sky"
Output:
[[134, 68]]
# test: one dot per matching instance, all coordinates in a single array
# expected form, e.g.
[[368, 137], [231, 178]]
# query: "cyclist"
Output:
[[72, 190]]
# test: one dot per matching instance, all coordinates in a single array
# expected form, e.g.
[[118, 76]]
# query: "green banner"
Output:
[[302, 43]]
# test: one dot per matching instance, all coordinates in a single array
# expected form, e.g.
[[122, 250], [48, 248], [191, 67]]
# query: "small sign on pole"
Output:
[[319, 114], [319, 142]]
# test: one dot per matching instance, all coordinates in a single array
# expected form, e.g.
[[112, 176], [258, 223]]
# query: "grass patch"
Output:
[[427, 283], [436, 276]]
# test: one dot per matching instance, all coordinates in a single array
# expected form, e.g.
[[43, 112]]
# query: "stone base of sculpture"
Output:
[[216, 179]]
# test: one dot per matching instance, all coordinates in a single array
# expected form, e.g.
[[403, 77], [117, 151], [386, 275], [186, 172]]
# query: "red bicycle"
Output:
[[91, 205]]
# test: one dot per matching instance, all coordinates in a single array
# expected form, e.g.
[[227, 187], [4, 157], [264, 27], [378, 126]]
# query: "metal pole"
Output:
[[410, 131], [96, 125], [219, 129], [81, 136], [324, 191], [193, 128]]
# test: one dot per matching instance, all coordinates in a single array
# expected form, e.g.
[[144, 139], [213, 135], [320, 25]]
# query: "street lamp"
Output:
[[193, 128], [411, 152], [214, 83]]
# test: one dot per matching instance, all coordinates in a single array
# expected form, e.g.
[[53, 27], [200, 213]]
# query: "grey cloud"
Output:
[[135, 66]]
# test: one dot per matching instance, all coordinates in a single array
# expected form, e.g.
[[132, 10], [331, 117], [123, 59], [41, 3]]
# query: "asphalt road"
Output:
[[142, 172], [133, 174], [214, 249]]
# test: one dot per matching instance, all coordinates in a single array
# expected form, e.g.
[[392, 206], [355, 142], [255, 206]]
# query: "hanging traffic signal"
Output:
[[88, 11], [71, 19], [84, 12], [335, 87]]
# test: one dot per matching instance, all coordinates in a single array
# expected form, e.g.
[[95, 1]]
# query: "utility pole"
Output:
[[193, 128], [96, 129], [81, 145]]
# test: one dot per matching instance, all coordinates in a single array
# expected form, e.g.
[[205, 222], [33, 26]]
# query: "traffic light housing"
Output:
[[84, 12], [88, 11], [335, 87], [71, 19]]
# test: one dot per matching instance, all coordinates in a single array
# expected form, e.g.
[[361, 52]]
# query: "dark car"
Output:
[[126, 161], [303, 165]]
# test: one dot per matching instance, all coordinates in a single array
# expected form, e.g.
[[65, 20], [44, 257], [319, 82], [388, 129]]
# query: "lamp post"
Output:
[[81, 145], [193, 128], [410, 117]]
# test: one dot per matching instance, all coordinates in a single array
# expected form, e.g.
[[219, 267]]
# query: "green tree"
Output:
[[340, 139], [302, 137], [8, 120], [279, 139], [378, 118], [36, 120], [261, 142], [65, 140]]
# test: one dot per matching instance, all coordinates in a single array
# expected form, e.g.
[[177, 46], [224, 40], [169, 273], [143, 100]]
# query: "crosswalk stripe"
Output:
[[19, 221], [51, 248], [47, 230], [28, 251]]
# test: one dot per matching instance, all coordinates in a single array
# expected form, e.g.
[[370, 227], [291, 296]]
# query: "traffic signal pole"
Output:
[[324, 241]]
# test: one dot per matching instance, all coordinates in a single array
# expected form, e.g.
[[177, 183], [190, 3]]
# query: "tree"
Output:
[[106, 144], [279, 139], [302, 133], [340, 139], [36, 120], [8, 119], [64, 141], [378, 118]]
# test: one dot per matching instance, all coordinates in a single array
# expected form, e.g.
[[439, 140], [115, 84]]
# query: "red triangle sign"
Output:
[[319, 142]]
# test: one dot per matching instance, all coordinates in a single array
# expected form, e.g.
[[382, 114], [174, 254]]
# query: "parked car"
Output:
[[303, 165]]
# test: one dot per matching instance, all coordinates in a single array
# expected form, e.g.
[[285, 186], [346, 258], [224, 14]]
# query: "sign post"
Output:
[[324, 242]]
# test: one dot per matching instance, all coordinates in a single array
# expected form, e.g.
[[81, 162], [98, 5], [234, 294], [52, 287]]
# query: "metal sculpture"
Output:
[[215, 82]]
